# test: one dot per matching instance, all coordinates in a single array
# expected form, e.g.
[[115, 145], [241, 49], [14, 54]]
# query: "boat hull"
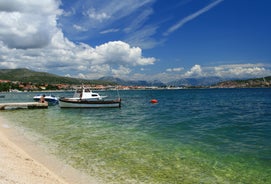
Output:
[[68, 103], [52, 100]]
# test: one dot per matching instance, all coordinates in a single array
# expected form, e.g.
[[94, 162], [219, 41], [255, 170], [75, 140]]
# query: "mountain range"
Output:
[[30, 76], [204, 81], [26, 75]]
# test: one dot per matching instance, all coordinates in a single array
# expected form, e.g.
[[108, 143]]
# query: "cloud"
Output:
[[99, 16], [109, 31], [63, 55], [179, 69], [241, 70], [119, 52], [143, 37], [195, 71], [32, 6], [229, 71], [31, 38], [191, 17], [28, 25], [139, 21], [79, 28], [121, 71], [129, 18], [233, 71]]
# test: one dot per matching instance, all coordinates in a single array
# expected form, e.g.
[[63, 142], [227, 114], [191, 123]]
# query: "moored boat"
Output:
[[51, 99], [85, 98], [69, 103]]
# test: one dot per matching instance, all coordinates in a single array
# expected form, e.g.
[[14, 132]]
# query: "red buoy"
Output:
[[154, 101]]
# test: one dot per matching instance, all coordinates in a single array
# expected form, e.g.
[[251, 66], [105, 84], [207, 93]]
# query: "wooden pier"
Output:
[[23, 105]]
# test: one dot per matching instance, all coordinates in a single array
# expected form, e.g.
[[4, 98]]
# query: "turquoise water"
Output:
[[190, 136]]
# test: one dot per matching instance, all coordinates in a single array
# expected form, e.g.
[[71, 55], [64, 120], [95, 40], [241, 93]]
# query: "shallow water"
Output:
[[190, 136]]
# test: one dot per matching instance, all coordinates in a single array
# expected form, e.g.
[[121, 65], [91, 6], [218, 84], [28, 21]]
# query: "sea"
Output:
[[189, 136]]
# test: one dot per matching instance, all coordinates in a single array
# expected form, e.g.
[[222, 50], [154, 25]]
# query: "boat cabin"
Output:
[[87, 94]]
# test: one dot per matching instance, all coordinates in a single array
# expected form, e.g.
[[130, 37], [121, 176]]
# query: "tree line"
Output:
[[7, 86]]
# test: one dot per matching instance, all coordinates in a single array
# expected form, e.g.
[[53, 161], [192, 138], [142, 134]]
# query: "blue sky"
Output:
[[138, 39]]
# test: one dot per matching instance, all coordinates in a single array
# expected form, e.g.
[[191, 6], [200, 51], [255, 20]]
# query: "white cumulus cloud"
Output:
[[241, 70], [232, 71], [28, 24], [31, 38], [195, 71], [120, 52]]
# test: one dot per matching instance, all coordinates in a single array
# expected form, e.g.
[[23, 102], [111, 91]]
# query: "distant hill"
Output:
[[203, 81], [249, 83], [195, 82], [132, 83], [26, 75]]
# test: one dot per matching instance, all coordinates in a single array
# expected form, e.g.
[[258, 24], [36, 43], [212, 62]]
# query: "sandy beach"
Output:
[[24, 163]]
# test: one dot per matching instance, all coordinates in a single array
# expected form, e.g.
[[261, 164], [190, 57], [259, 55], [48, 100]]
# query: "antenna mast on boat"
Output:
[[118, 92]]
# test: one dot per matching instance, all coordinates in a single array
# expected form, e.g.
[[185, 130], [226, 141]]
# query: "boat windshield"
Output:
[[79, 91]]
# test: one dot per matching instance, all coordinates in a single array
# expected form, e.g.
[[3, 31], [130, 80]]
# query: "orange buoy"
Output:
[[154, 101]]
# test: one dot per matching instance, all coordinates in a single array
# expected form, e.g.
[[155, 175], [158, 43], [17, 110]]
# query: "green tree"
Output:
[[5, 86]]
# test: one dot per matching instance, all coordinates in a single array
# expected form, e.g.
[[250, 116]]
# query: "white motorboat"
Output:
[[51, 99], [85, 98]]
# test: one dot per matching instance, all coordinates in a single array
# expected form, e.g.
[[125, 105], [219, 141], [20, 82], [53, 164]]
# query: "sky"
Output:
[[137, 39]]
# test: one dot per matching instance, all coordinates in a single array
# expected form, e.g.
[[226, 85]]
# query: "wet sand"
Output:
[[23, 162]]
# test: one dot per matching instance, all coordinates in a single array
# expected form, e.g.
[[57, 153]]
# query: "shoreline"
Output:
[[22, 161]]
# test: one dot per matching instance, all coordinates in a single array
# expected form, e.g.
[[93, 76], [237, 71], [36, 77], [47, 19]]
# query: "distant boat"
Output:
[[51, 99], [85, 98], [15, 91]]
